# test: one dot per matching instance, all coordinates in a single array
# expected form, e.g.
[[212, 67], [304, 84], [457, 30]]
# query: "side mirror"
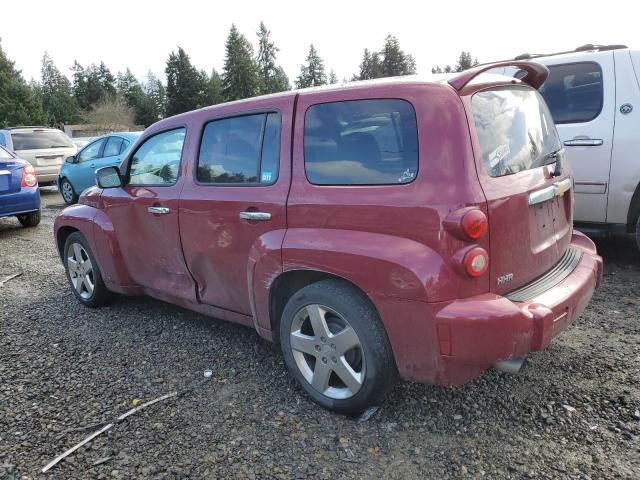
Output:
[[71, 159], [108, 177]]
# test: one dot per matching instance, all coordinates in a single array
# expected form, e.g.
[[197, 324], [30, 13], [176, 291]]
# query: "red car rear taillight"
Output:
[[29, 178], [476, 261], [474, 224]]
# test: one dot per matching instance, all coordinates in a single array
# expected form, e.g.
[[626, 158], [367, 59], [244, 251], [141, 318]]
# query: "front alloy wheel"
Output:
[[83, 272], [80, 270]]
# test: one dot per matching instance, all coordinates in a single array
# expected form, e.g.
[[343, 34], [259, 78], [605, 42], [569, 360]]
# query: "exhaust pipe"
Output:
[[510, 365]]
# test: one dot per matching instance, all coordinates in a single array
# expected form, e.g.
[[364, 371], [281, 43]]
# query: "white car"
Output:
[[45, 148], [593, 93]]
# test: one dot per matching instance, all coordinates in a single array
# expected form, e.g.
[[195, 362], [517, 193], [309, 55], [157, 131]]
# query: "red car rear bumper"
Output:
[[466, 336]]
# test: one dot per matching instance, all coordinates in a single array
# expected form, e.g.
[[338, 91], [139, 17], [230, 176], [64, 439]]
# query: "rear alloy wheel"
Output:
[[83, 272], [327, 351], [335, 346], [29, 219], [67, 192]]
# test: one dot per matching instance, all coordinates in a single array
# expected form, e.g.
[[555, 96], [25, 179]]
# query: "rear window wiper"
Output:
[[555, 154]]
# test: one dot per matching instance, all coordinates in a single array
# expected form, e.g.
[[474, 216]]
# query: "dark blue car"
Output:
[[19, 194]]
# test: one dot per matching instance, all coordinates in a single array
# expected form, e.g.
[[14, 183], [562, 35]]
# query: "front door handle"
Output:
[[262, 216], [158, 210], [584, 142]]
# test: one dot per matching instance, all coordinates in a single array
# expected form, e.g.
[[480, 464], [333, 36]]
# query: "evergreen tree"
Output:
[[272, 78], [370, 67], [312, 74], [156, 92], [57, 99], [214, 88], [394, 61], [92, 85], [185, 86], [135, 96], [333, 78], [391, 61], [240, 75], [19, 104], [465, 61]]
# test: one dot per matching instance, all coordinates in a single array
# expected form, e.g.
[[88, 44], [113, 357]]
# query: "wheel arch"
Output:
[[288, 283], [634, 210], [61, 237]]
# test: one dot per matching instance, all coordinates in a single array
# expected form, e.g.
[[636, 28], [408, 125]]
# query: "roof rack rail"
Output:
[[582, 48]]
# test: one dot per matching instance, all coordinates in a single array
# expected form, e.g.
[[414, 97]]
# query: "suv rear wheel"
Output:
[[83, 273], [335, 346]]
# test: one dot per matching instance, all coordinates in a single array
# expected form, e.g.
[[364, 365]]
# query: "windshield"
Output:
[[515, 130], [40, 139]]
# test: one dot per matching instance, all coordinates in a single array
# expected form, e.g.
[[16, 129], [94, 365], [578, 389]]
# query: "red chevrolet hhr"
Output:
[[400, 228]]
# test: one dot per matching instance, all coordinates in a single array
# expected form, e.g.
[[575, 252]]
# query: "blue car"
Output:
[[19, 194], [79, 171]]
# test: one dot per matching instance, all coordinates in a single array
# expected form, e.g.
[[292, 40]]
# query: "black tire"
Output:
[[349, 303], [100, 295], [68, 193], [29, 219], [638, 232]]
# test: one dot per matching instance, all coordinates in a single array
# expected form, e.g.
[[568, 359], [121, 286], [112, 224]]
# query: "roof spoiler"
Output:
[[536, 73]]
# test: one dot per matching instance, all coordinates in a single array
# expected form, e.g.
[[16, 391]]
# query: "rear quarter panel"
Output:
[[625, 155], [389, 239]]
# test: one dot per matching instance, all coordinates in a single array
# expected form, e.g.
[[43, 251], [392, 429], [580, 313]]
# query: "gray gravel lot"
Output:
[[573, 411]]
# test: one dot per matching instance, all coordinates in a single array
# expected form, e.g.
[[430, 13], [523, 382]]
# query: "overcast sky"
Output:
[[140, 34]]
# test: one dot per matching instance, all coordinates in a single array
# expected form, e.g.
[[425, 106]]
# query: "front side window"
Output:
[[574, 92], [113, 146], [91, 151], [515, 130], [157, 160], [361, 142], [240, 150]]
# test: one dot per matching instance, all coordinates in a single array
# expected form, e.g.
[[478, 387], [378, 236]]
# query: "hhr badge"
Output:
[[505, 278]]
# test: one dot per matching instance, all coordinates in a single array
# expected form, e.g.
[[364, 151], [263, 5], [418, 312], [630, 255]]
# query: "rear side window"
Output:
[[157, 160], [240, 150], [113, 146], [515, 130], [574, 92], [361, 142], [124, 146]]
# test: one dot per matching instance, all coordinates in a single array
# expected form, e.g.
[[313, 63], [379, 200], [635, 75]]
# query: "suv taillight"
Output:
[[476, 261], [29, 178], [474, 224]]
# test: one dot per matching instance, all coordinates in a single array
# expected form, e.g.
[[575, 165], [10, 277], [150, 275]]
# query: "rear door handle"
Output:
[[261, 216], [158, 210], [583, 142]]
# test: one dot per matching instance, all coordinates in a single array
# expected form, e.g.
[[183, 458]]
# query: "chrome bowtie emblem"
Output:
[[626, 108]]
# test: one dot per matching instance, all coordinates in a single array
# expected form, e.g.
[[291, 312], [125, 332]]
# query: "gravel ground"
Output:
[[573, 411]]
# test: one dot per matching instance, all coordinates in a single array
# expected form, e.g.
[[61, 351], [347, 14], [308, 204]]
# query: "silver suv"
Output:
[[45, 148], [593, 93]]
